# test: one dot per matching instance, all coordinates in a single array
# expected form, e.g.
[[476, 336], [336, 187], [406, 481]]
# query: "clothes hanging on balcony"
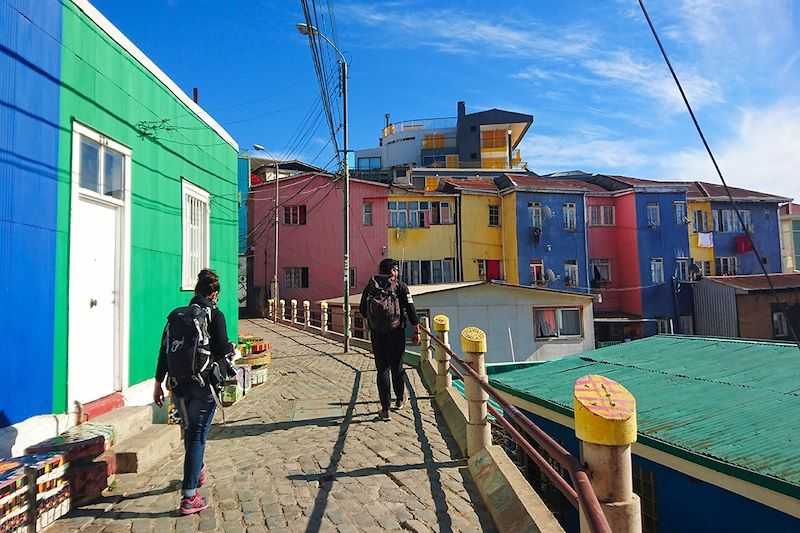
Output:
[[743, 244], [705, 240]]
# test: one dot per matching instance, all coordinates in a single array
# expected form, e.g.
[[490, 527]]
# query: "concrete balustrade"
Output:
[[441, 326], [281, 309], [424, 341], [605, 422], [306, 313], [323, 319], [293, 304], [479, 434], [271, 307]]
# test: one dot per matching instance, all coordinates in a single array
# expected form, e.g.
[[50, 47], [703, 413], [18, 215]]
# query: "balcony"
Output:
[[420, 124]]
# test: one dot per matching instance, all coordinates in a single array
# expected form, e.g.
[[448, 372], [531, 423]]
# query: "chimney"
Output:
[[194, 96], [386, 116], [462, 109]]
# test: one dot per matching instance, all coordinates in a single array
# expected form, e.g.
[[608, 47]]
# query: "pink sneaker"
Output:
[[192, 505], [201, 479]]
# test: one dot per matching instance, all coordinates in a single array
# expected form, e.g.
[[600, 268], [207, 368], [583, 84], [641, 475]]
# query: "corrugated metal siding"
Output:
[[29, 99], [729, 401], [715, 311]]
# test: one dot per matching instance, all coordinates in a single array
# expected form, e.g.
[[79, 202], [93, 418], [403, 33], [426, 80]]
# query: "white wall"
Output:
[[495, 308]]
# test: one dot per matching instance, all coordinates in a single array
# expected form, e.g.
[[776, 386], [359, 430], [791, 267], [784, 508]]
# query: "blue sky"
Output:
[[589, 72]]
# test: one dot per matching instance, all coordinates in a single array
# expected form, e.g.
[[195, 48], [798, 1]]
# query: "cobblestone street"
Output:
[[303, 452]]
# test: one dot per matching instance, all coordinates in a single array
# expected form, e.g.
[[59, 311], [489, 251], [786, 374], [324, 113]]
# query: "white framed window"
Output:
[[537, 272], [535, 214], [295, 277], [682, 268], [601, 270], [653, 215], [366, 213], [196, 233], [570, 217], [494, 215], [422, 272], [294, 215], [679, 212], [557, 323], [700, 221], [482, 269], [418, 214], [725, 266], [571, 273], [704, 267], [657, 270], [779, 328], [102, 165], [602, 215]]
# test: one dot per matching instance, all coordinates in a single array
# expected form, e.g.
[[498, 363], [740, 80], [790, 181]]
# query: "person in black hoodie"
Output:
[[390, 345], [196, 403]]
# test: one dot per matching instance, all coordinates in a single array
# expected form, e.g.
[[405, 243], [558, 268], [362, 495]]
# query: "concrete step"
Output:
[[127, 421], [147, 448]]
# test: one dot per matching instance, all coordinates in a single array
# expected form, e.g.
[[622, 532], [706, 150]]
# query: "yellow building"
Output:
[[701, 244], [422, 235]]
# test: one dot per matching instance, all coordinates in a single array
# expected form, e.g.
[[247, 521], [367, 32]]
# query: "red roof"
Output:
[[790, 209], [757, 282], [481, 184], [702, 189], [550, 183], [638, 181]]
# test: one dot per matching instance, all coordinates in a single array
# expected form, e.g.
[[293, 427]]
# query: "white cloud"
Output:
[[762, 154], [591, 149], [653, 80], [458, 32]]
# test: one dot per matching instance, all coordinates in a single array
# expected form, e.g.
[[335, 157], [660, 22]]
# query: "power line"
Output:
[[747, 231]]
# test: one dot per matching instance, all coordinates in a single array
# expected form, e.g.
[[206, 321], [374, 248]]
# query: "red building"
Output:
[[310, 235]]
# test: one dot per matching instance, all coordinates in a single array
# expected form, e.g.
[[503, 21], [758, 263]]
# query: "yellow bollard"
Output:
[[605, 422], [441, 325], [479, 434]]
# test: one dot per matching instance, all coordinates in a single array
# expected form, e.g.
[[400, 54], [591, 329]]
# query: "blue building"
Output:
[[551, 246], [716, 428]]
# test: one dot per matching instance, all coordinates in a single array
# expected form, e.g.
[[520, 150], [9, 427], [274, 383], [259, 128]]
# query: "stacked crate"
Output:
[[91, 464], [49, 493], [14, 497], [257, 356]]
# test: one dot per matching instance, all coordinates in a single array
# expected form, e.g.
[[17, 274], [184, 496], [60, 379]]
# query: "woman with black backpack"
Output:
[[188, 356]]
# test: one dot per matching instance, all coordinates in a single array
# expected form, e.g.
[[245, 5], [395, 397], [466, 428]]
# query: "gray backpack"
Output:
[[383, 306]]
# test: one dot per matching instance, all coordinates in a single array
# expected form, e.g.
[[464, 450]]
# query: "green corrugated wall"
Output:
[[106, 89]]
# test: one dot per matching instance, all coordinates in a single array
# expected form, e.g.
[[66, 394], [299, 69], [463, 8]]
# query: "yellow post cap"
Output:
[[306, 303], [323, 305], [473, 340], [441, 323], [605, 411]]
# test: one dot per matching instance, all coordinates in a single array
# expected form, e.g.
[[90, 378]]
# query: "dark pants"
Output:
[[197, 409], [389, 348]]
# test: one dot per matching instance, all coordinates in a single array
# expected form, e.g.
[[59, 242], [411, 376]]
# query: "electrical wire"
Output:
[[747, 231]]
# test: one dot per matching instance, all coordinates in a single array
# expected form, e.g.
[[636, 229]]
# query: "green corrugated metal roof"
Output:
[[729, 404]]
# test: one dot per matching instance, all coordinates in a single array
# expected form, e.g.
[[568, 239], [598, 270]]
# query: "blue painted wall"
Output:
[[766, 237], [668, 240], [685, 503], [564, 244], [29, 98], [243, 179]]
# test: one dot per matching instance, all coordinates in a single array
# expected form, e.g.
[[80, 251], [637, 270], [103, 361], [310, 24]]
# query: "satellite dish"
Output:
[[548, 213], [550, 275]]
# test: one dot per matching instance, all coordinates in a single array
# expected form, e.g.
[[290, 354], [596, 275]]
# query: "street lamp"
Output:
[[275, 277], [307, 29]]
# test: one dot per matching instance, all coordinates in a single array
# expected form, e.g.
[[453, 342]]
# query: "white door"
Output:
[[93, 304]]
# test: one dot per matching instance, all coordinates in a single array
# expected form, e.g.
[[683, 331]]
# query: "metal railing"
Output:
[[582, 496]]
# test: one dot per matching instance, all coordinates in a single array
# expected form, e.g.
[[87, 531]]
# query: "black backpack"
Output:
[[187, 344], [383, 306]]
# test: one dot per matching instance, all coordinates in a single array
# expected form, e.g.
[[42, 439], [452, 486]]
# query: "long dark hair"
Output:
[[207, 283]]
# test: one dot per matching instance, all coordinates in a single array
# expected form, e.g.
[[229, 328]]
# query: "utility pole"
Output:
[[346, 190]]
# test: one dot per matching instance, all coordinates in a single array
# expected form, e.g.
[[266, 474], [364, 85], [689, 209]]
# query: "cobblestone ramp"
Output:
[[303, 452]]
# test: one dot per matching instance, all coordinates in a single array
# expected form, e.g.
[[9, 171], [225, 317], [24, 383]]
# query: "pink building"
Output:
[[310, 240]]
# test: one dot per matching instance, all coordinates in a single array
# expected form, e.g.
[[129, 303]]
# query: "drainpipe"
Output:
[[459, 259], [586, 242]]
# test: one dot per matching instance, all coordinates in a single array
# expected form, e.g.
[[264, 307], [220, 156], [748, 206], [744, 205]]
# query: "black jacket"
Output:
[[217, 330], [407, 310]]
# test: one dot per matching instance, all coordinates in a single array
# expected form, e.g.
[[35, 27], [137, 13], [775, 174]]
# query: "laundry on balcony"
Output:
[[744, 244], [705, 240]]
